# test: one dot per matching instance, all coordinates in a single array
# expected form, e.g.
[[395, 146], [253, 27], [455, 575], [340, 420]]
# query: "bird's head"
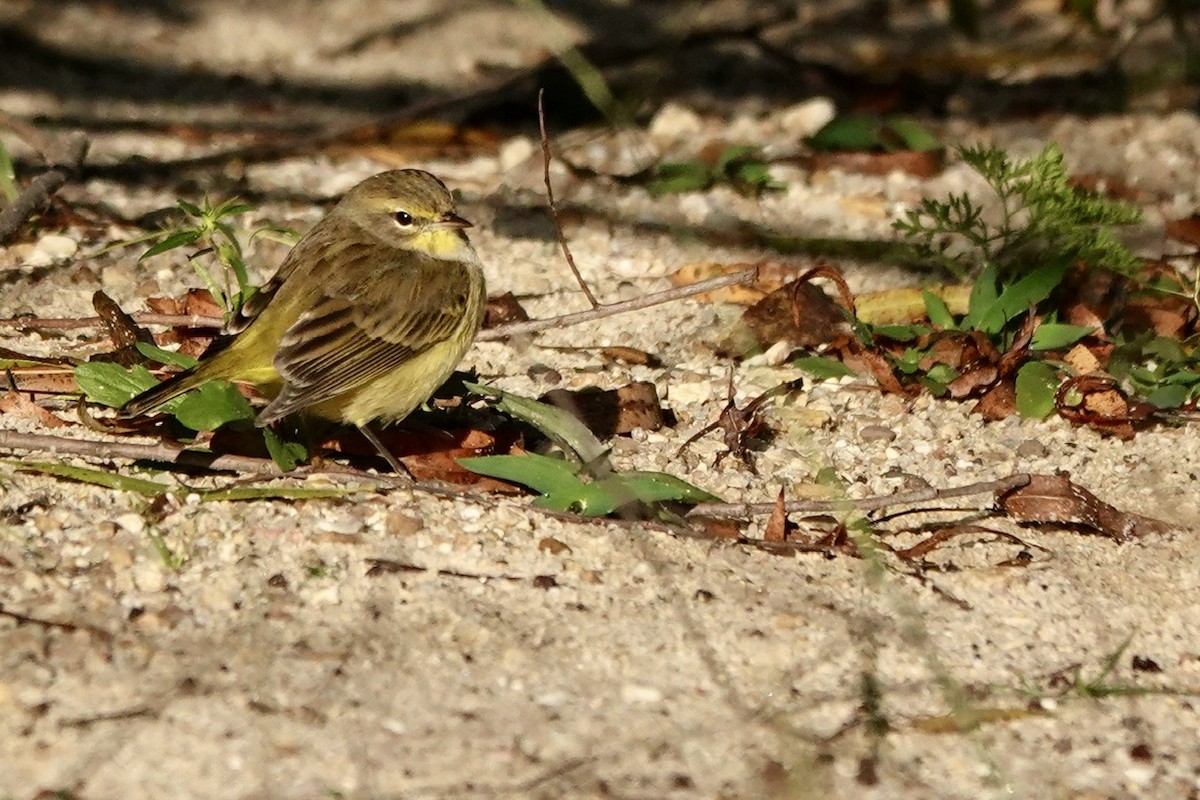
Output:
[[410, 209]]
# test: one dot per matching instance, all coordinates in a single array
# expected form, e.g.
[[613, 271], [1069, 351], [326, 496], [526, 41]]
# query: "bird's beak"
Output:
[[452, 220]]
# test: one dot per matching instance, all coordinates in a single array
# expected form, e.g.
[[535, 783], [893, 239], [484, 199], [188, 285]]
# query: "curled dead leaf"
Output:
[[1056, 499]]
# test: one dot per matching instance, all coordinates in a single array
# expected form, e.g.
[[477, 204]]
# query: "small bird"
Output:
[[367, 316]]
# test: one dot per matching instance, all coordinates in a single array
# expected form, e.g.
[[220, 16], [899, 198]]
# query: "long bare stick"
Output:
[[562, 239], [40, 189], [491, 334], [611, 309], [145, 318], [867, 503], [106, 451]]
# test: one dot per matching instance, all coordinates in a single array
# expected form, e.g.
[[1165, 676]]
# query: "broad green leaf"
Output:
[[1053, 336], [1186, 377], [563, 428], [161, 356], [286, 455], [913, 136], [543, 474], [212, 405], [177, 239], [853, 132], [1037, 383], [1019, 297], [653, 487], [937, 311], [822, 368], [111, 384], [983, 295], [588, 499], [1170, 395]]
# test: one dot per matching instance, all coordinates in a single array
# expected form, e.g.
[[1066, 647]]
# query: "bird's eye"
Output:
[[403, 218]]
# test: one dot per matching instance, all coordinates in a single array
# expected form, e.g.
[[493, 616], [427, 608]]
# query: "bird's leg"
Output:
[[397, 467]]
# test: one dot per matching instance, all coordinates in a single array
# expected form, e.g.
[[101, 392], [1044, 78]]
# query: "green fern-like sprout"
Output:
[[1043, 218]]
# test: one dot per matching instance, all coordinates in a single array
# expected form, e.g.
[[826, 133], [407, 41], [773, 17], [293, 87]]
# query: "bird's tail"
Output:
[[168, 390]]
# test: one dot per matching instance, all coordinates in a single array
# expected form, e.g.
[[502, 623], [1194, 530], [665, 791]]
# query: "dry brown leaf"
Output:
[[1057, 499], [502, 309], [1186, 230], [777, 524], [998, 402], [20, 405], [615, 411]]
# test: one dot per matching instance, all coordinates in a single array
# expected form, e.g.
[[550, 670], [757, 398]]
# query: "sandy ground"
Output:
[[269, 656]]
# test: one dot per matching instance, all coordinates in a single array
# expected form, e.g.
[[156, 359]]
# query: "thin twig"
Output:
[[40, 189], [145, 318], [1008, 483], [562, 239], [491, 334], [611, 309], [39, 141], [107, 451]]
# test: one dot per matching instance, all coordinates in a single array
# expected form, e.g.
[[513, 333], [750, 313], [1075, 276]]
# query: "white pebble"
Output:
[[636, 694], [57, 247], [805, 119]]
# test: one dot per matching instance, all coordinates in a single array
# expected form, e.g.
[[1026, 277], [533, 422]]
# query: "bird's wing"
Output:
[[356, 332]]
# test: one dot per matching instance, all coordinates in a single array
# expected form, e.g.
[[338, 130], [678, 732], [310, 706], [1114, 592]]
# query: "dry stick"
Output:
[[33, 137], [1000, 485], [39, 190], [491, 334], [106, 451], [143, 318], [562, 239], [611, 309]]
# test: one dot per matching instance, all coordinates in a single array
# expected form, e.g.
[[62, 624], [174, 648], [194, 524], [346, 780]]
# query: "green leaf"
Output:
[[1056, 335], [983, 296], [286, 455], [653, 487], [174, 240], [214, 404], [733, 154], [543, 474], [560, 426], [192, 209], [96, 477], [937, 311], [111, 384], [1037, 383], [822, 368], [169, 357], [1171, 395], [852, 133], [1019, 297], [912, 136], [679, 177]]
